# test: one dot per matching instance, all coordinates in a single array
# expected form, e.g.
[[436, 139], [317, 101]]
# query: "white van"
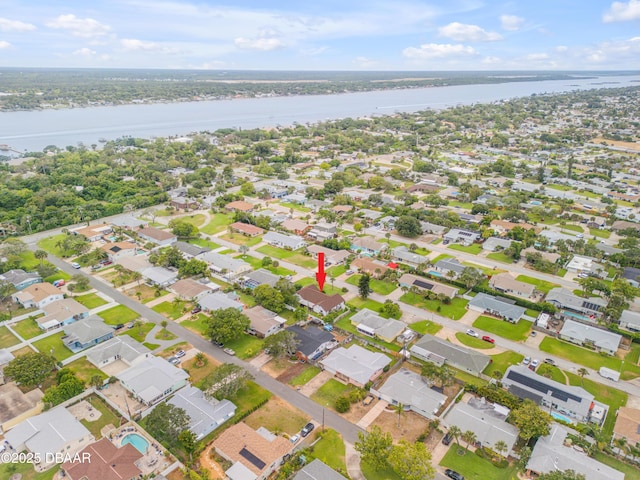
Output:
[[609, 373]]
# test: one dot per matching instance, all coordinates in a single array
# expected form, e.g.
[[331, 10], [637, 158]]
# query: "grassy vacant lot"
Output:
[[473, 467], [378, 286], [455, 310], [172, 310], [218, 223], [7, 339], [541, 285], [330, 449], [473, 342], [295, 206], [359, 303], [611, 396], [118, 314], [502, 361], [307, 374], [85, 370], [199, 325], [513, 331], [474, 249], [90, 300], [196, 220], [426, 326], [327, 394], [596, 232], [49, 245], [249, 398], [27, 329], [277, 416], [59, 275], [442, 256], [246, 346], [240, 239], [288, 255], [572, 228], [336, 271], [139, 333], [53, 343], [108, 417], [256, 263], [196, 373], [500, 257], [203, 242]]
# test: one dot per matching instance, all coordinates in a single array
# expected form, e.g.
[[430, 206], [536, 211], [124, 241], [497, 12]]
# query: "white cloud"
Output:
[[134, 44], [262, 44], [7, 25], [462, 32], [623, 12], [364, 62], [561, 48], [437, 50], [80, 27], [511, 23], [85, 52], [4, 44]]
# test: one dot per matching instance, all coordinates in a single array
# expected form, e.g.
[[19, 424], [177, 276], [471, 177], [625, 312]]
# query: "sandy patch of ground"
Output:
[[277, 416], [617, 143], [208, 463], [84, 411], [276, 367], [411, 427], [291, 372]]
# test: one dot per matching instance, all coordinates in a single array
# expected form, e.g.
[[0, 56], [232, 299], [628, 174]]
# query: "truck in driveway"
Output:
[[609, 373]]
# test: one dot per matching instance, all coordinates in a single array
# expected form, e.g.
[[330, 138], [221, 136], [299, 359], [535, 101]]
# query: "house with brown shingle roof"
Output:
[[627, 425], [107, 462], [117, 250], [157, 236], [296, 226], [239, 206], [38, 295], [255, 454], [505, 283], [318, 301], [370, 267], [190, 289], [502, 227], [246, 229]]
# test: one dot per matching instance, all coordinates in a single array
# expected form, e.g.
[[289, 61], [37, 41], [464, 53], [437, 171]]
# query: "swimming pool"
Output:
[[535, 202], [584, 318], [559, 416], [434, 273], [137, 441]]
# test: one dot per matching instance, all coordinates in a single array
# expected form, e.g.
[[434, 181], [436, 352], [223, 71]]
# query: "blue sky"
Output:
[[322, 34]]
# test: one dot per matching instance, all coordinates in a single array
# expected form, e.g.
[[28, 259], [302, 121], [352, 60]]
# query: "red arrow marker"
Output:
[[320, 275]]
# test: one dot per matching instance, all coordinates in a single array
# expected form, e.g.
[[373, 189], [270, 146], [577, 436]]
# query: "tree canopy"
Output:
[[30, 369], [226, 324]]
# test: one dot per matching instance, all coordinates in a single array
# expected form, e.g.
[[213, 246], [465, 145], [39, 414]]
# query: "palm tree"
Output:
[[501, 447], [400, 409], [469, 437], [136, 276], [582, 372], [40, 255], [621, 444], [243, 250], [455, 433], [201, 359]]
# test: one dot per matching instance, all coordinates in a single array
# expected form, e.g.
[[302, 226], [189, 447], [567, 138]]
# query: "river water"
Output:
[[32, 131]]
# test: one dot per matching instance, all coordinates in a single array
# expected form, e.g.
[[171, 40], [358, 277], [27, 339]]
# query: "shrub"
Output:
[[342, 404]]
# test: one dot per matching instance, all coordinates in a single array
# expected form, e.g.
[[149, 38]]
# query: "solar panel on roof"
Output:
[[422, 284], [255, 461], [542, 387]]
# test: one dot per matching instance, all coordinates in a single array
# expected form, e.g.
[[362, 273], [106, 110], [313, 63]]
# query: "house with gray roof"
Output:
[[160, 276], [550, 454], [205, 414], [413, 391], [288, 242], [465, 237], [122, 347], [553, 237], [425, 284], [630, 320], [506, 283], [447, 265], [355, 364], [86, 333], [590, 336], [219, 301], [403, 255], [259, 277], [367, 246], [498, 306], [225, 266], [574, 403], [53, 431], [432, 228], [331, 257], [371, 324], [588, 308], [486, 420], [493, 244], [190, 250], [632, 275], [5, 356], [20, 279], [435, 350], [318, 470], [152, 379]]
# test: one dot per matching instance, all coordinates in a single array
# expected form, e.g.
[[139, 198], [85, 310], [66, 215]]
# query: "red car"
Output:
[[487, 338]]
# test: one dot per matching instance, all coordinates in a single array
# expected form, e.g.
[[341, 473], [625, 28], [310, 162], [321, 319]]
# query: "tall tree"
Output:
[[583, 372], [363, 286], [281, 344], [40, 255], [374, 447], [531, 420], [166, 422], [455, 433], [225, 381], [471, 277], [469, 437], [30, 369], [226, 324], [411, 461]]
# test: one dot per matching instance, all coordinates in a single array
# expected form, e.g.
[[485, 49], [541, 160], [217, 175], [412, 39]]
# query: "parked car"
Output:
[[105, 262], [526, 361], [349, 272], [97, 266], [295, 438], [118, 326], [58, 283], [196, 310], [473, 333], [533, 333], [229, 351], [487, 338], [367, 400], [180, 353], [307, 429], [534, 363], [453, 474], [550, 361], [173, 360], [76, 265], [446, 440]]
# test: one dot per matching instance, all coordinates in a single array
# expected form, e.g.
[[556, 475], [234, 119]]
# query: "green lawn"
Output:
[[90, 300], [203, 242], [256, 263], [359, 303], [552, 372], [151, 346], [442, 256], [248, 399], [422, 251], [464, 205], [455, 310], [240, 239], [246, 346], [502, 361], [53, 343], [326, 395], [572, 228], [500, 257], [59, 275], [49, 245], [371, 473], [562, 188], [307, 374], [512, 331], [108, 417], [26, 470], [118, 314], [84, 370], [7, 339], [288, 255], [336, 271], [218, 223], [295, 206], [199, 325], [473, 342], [630, 472], [541, 285], [378, 286], [330, 449], [596, 232], [196, 220], [164, 334], [611, 396], [139, 333], [172, 310], [474, 249], [27, 328], [426, 326], [473, 467]]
